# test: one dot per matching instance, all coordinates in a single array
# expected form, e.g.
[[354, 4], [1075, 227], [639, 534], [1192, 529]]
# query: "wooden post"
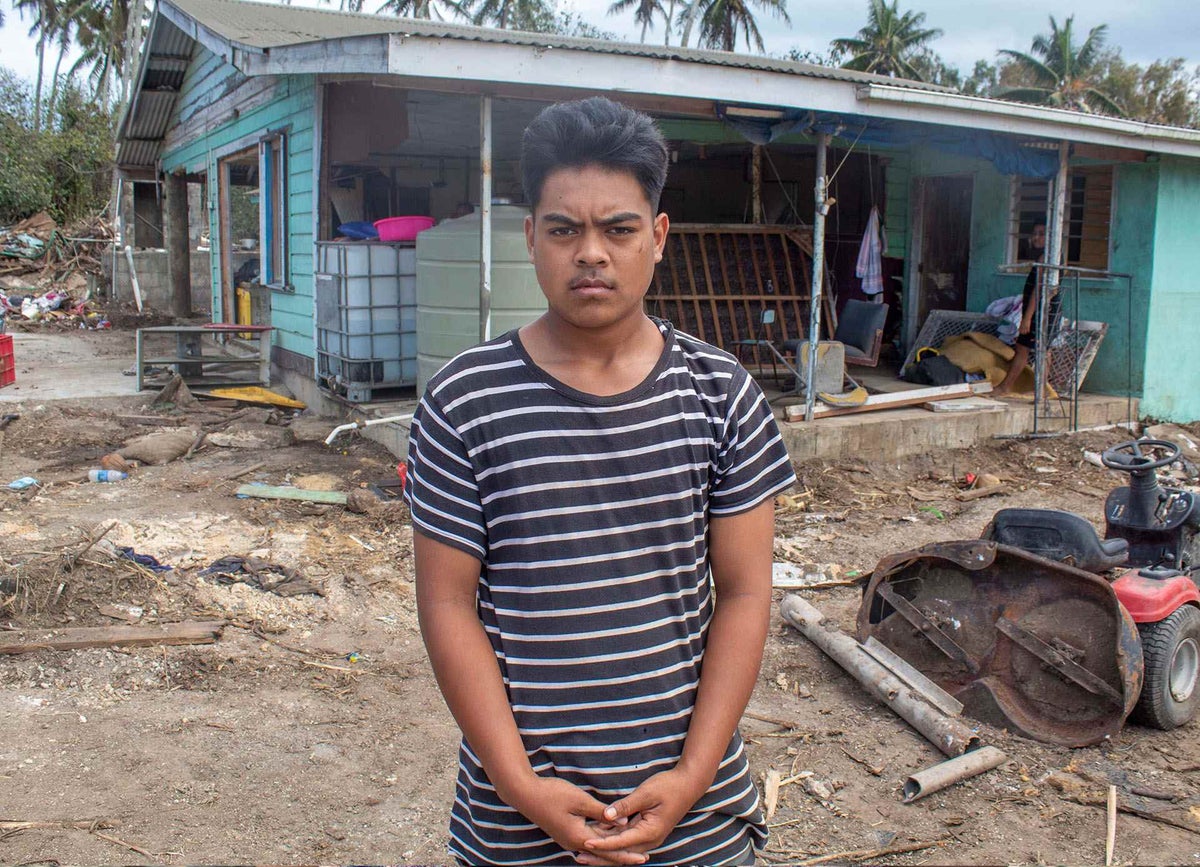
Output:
[[179, 252], [756, 185]]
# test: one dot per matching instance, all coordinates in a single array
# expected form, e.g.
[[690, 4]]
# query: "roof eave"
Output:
[[1022, 119]]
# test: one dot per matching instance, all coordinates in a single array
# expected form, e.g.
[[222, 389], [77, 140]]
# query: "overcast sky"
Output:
[[1145, 30]]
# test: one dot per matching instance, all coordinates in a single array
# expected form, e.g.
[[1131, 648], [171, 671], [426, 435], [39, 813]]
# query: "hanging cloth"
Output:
[[870, 257]]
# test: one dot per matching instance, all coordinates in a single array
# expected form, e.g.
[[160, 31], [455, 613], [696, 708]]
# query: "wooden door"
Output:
[[944, 247]]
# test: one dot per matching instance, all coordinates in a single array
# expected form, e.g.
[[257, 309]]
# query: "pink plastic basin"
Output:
[[402, 228]]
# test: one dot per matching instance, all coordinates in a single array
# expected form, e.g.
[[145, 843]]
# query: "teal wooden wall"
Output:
[[1111, 300], [1172, 384], [287, 103]]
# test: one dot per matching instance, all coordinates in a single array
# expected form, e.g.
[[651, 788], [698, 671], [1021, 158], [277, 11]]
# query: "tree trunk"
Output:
[[645, 26], [670, 21], [62, 49], [37, 92]]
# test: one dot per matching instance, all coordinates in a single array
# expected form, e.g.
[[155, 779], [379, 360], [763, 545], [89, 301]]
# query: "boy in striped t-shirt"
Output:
[[592, 496]]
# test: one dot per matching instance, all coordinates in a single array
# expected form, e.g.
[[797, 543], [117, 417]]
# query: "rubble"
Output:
[[49, 275]]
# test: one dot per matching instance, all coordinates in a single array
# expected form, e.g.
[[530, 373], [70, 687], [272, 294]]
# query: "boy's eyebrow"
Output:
[[621, 217]]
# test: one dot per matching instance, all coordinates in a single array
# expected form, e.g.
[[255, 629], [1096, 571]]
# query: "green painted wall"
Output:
[[1100, 300], [290, 106], [1172, 384]]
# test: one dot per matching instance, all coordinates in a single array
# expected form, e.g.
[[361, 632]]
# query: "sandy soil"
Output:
[[273, 746]]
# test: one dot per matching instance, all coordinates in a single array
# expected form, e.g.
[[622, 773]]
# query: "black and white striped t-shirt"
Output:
[[590, 516]]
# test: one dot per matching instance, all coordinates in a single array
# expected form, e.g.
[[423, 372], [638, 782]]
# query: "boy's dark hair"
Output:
[[595, 131]]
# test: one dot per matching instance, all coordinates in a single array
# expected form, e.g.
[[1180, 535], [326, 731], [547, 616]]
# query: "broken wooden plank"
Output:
[[188, 632], [11, 826], [979, 493], [965, 404], [895, 400], [283, 492]]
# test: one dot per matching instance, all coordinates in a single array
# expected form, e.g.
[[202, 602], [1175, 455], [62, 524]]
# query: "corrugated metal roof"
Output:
[[263, 26], [145, 122]]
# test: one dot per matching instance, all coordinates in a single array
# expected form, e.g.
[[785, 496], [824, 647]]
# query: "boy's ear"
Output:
[[529, 236], [661, 226]]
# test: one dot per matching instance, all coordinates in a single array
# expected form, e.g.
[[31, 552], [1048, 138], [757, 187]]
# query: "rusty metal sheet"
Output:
[[1024, 643]]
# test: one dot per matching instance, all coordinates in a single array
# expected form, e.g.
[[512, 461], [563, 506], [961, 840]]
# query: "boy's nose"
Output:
[[591, 250]]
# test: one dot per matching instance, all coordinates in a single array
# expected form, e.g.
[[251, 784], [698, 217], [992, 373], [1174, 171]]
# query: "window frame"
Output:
[[273, 211], [1077, 232]]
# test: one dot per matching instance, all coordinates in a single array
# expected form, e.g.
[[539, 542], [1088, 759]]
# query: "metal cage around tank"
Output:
[[366, 329]]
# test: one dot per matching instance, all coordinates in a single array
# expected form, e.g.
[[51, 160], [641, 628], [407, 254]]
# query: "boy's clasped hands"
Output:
[[620, 833]]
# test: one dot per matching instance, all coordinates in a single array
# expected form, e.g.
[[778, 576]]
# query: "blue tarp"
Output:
[[1006, 155]]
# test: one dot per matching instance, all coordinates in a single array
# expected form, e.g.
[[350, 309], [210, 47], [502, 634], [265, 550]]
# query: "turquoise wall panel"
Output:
[[1172, 379], [1117, 368], [288, 105]]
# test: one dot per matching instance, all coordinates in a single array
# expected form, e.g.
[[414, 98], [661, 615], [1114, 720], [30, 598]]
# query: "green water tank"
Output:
[[448, 286]]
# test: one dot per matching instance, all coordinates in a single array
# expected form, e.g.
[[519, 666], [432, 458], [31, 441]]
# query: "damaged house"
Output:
[[286, 133]]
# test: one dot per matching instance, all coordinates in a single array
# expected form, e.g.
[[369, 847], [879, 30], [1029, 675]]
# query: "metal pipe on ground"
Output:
[[951, 771], [953, 737]]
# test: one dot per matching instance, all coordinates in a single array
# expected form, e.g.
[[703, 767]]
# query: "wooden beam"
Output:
[[179, 264], [191, 632], [898, 399]]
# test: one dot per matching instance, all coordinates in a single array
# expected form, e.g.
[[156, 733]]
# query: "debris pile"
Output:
[[49, 275]]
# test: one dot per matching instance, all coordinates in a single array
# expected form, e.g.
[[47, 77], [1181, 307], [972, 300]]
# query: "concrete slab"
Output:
[[57, 366], [899, 432]]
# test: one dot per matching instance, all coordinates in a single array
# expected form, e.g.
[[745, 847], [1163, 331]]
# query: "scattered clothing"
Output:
[[258, 573], [144, 560], [1009, 309]]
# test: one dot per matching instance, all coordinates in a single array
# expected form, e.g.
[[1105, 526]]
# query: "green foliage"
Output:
[[1165, 92], [644, 12], [1057, 71], [930, 68], [892, 43], [721, 22], [64, 168]]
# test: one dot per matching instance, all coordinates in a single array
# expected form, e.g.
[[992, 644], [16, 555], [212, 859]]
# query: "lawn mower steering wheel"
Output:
[[1128, 457]]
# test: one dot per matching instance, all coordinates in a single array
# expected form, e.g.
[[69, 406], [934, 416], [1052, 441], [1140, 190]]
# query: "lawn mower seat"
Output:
[[1060, 536]]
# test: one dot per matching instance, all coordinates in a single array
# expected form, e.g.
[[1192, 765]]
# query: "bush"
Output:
[[65, 168]]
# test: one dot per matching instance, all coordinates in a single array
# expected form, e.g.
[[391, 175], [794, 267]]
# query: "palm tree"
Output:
[[422, 8], [100, 27], [63, 30], [43, 15], [721, 21], [1061, 73], [644, 12], [890, 43], [534, 15]]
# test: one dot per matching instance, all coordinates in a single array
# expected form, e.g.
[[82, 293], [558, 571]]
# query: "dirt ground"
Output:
[[312, 731]]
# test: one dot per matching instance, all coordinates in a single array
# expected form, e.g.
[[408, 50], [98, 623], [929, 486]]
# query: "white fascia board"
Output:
[[950, 109], [614, 73]]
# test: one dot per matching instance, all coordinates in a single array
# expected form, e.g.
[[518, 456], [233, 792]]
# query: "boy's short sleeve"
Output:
[[440, 489], [753, 463]]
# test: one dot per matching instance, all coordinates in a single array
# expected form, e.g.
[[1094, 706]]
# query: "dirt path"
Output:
[[274, 746]]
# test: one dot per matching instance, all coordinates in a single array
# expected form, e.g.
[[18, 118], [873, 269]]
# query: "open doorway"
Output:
[[942, 246], [237, 239]]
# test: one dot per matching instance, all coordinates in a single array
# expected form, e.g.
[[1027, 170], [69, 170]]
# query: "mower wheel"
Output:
[[1171, 648]]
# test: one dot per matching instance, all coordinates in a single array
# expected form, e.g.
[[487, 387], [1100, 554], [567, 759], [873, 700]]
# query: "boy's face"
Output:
[[593, 242]]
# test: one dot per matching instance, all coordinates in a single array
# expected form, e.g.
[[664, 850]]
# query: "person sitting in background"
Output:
[[1027, 336]]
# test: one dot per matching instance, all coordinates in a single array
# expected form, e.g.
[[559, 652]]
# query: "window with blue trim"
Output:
[[273, 211]]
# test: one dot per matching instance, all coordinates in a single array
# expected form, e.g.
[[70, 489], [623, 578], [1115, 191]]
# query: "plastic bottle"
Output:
[[106, 475]]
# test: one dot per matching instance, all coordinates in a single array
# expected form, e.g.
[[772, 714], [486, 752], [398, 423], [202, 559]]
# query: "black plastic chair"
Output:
[[859, 330]]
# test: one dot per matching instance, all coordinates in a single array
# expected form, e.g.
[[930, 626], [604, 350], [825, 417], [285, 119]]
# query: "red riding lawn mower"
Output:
[[1022, 630]]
